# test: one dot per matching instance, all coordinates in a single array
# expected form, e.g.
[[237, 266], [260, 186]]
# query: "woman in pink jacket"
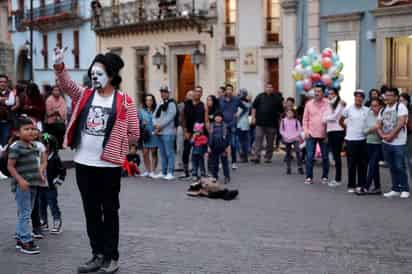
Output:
[[102, 122]]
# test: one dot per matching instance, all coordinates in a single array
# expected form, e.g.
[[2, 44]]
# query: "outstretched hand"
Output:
[[58, 56]]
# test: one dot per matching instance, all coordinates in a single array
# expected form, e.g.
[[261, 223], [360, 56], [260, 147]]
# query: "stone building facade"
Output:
[[6, 47]]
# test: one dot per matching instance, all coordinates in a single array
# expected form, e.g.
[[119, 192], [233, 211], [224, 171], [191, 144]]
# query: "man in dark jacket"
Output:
[[266, 111]]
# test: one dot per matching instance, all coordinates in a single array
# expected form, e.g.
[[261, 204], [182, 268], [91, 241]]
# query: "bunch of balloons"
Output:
[[315, 68]]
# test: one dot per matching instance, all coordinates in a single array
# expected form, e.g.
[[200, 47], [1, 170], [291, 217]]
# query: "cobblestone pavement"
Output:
[[278, 225]]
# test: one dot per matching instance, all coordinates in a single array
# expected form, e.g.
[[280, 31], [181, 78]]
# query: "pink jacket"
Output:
[[290, 129], [313, 122], [53, 106], [126, 125]]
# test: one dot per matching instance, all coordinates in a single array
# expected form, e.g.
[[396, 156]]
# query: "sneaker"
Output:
[[145, 174], [361, 192], [392, 194], [227, 180], [18, 244], [334, 183], [195, 178], [37, 234], [308, 181], [268, 161], [92, 265], [300, 171], [256, 161], [351, 190], [169, 177], [288, 171], [185, 177], [325, 180], [29, 248], [358, 189], [405, 195], [109, 267], [158, 176], [57, 227], [234, 166], [44, 227]]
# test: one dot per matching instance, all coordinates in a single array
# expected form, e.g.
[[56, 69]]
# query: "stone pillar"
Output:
[[288, 23], [6, 48], [313, 24]]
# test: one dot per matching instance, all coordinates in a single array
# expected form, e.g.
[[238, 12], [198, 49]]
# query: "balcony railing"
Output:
[[272, 30], [52, 15], [158, 15]]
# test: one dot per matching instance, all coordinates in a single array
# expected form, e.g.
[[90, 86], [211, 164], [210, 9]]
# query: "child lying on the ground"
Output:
[[208, 187]]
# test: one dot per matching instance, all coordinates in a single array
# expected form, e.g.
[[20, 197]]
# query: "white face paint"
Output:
[[99, 77]]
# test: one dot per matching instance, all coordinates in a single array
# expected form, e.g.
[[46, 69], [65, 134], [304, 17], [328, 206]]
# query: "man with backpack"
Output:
[[165, 122], [193, 112], [392, 129]]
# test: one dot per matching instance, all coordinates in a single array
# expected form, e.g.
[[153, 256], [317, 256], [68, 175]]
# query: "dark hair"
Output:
[[51, 141], [219, 113], [144, 101], [290, 99], [229, 86], [23, 121], [215, 108], [133, 145], [373, 90], [384, 88], [379, 101], [407, 97], [4, 76], [223, 88], [321, 86], [33, 91], [395, 91], [336, 103]]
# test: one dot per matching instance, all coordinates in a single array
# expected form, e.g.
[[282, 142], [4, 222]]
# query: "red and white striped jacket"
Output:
[[126, 125]]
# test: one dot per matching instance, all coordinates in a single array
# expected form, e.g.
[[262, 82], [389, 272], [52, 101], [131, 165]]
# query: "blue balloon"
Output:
[[299, 86], [335, 59], [336, 84]]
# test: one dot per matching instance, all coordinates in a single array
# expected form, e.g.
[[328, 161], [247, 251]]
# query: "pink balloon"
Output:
[[315, 77], [298, 61], [327, 53], [307, 84], [327, 80], [327, 62]]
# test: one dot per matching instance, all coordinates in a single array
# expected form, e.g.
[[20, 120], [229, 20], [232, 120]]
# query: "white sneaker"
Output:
[[392, 194], [351, 190], [325, 181], [234, 166], [169, 177], [158, 176], [151, 175], [3, 177], [334, 183], [145, 174], [405, 195]]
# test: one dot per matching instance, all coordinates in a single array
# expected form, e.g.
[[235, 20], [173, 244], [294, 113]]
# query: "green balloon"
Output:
[[317, 67], [340, 67], [305, 61]]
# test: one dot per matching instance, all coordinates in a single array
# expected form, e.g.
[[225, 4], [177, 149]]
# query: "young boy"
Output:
[[219, 147], [132, 162], [24, 168]]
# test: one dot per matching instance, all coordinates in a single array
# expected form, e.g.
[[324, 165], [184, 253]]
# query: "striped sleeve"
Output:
[[67, 85], [133, 120]]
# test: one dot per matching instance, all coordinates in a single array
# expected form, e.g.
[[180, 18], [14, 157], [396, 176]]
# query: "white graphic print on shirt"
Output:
[[97, 120]]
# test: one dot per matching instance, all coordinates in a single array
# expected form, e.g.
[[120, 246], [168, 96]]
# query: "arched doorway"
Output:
[[23, 65]]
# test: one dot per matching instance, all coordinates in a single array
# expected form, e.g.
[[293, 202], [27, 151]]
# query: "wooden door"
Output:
[[272, 73], [401, 63], [185, 76]]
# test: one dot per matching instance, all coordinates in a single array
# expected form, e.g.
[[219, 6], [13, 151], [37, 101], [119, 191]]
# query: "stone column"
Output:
[[313, 24], [288, 24]]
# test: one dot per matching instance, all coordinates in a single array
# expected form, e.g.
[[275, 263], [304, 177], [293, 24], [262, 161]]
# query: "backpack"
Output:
[[4, 158]]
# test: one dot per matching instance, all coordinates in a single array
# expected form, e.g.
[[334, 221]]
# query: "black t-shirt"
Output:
[[193, 114], [268, 109]]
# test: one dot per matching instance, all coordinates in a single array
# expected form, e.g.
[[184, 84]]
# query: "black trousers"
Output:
[[357, 155], [187, 147], [99, 189], [335, 140]]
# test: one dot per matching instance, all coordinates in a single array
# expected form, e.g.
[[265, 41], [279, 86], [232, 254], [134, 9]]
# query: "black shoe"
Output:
[[300, 171], [37, 234], [268, 161], [288, 171], [29, 248], [255, 161], [185, 177], [44, 227], [376, 191], [109, 267], [92, 265], [18, 244], [227, 180]]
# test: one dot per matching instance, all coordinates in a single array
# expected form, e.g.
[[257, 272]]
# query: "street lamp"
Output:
[[159, 59], [198, 58]]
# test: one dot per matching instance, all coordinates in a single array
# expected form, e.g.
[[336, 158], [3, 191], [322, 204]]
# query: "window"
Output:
[[59, 40], [45, 52], [141, 74], [272, 73], [76, 49], [230, 73], [272, 21], [230, 22]]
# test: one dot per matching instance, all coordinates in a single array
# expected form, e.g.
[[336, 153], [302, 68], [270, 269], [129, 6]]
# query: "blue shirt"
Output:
[[229, 109]]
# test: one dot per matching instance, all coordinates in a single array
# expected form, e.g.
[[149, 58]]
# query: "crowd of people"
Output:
[[198, 137]]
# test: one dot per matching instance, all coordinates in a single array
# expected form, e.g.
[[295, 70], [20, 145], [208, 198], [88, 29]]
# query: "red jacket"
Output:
[[126, 125]]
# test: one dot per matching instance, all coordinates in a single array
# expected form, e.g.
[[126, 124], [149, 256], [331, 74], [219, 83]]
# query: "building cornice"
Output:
[[355, 16], [390, 11]]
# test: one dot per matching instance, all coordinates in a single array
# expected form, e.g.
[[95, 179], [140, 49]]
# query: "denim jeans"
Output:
[[4, 132], [244, 142], [231, 134], [395, 158], [48, 198], [167, 153], [217, 155], [198, 162], [310, 156], [374, 156], [25, 203]]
